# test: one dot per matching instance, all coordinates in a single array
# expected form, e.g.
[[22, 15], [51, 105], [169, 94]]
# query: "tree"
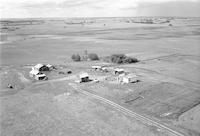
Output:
[[121, 58], [93, 56], [76, 57]]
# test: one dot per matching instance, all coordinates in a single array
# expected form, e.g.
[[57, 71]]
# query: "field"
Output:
[[168, 91]]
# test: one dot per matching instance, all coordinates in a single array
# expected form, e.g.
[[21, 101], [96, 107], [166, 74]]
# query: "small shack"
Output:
[[41, 67], [97, 67], [131, 78], [118, 71], [84, 77]]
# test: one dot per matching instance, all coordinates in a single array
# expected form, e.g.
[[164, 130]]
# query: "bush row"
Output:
[[115, 58], [122, 59], [91, 56]]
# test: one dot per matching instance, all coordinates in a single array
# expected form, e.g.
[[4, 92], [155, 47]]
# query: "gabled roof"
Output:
[[98, 67], [41, 75], [83, 75], [34, 72], [119, 69], [38, 66], [49, 65], [104, 68]]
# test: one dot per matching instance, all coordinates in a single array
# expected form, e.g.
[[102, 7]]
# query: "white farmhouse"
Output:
[[37, 75]]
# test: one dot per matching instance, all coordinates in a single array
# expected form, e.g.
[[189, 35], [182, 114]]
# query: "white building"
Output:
[[104, 69], [33, 72], [84, 77], [97, 67], [131, 78], [119, 71], [51, 67], [41, 76], [37, 74]]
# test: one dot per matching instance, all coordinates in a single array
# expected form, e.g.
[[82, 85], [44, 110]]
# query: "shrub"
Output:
[[76, 57], [121, 58], [93, 56], [117, 58], [130, 60]]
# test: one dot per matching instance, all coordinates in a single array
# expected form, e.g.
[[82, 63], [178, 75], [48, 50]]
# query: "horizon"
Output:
[[97, 8], [102, 17]]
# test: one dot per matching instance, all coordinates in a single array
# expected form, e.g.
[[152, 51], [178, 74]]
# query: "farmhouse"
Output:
[[41, 67], [33, 72], [84, 77], [119, 71], [37, 75]]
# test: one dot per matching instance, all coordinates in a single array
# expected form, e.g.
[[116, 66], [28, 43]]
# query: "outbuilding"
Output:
[[119, 71], [131, 78], [41, 76], [104, 69], [97, 67], [84, 77], [51, 67], [41, 67]]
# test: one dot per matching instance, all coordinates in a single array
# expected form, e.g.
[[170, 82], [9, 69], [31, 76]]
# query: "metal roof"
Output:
[[34, 72], [83, 75], [38, 66], [119, 69], [97, 67], [40, 75]]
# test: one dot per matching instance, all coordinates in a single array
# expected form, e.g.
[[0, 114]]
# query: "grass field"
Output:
[[168, 69]]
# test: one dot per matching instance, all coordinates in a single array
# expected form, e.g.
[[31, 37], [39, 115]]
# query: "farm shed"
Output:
[[84, 77], [51, 67], [119, 71], [96, 67], [131, 78], [104, 69], [41, 76]]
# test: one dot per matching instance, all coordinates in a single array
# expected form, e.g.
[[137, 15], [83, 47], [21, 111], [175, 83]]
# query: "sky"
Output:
[[97, 8]]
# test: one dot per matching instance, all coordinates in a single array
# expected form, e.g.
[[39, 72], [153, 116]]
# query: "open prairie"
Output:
[[168, 50]]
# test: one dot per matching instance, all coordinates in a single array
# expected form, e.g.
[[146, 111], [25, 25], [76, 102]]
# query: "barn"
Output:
[[41, 67]]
